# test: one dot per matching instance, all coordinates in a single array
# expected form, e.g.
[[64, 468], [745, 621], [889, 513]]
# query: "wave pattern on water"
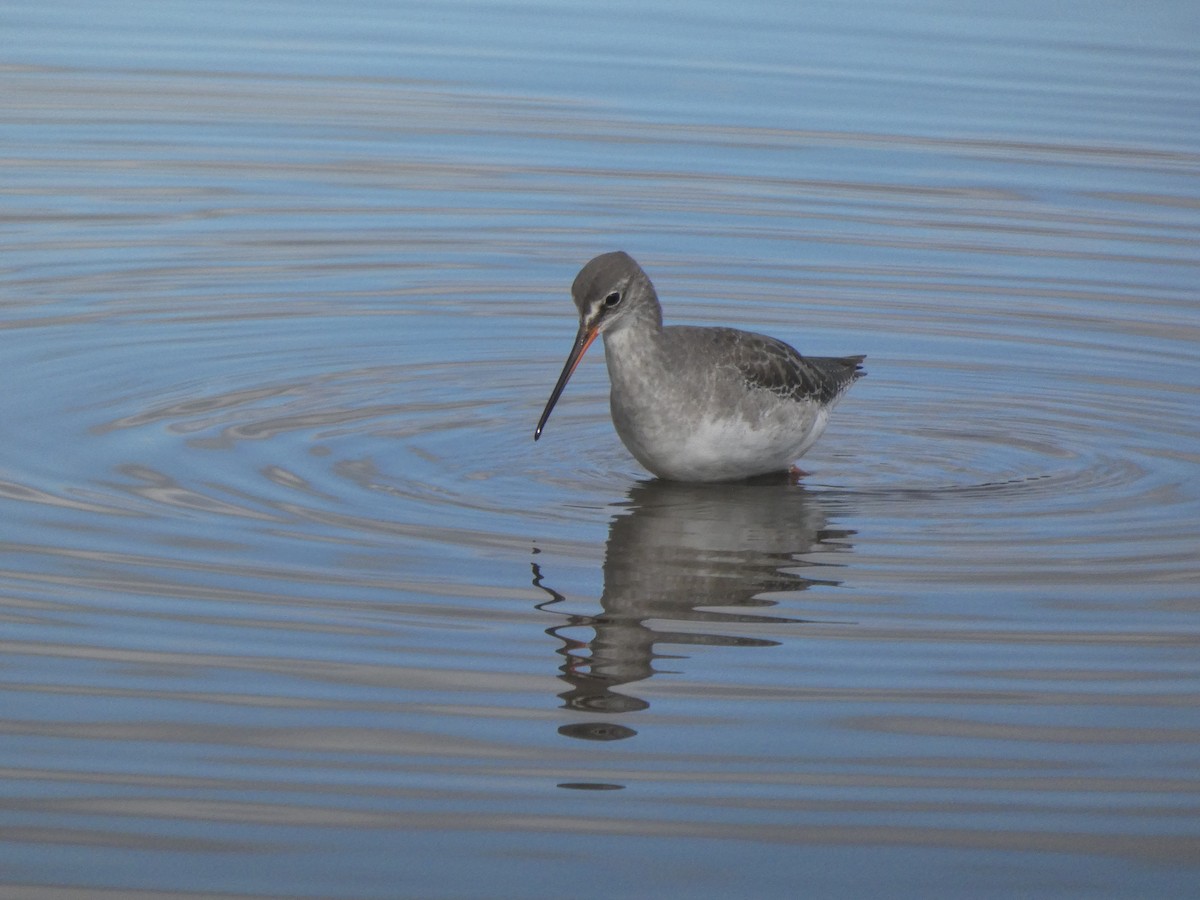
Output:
[[288, 590]]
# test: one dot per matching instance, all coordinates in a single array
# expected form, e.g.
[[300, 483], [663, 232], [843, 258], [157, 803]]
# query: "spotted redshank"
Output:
[[698, 404]]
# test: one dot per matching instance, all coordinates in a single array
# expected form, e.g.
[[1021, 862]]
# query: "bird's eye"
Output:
[[612, 299]]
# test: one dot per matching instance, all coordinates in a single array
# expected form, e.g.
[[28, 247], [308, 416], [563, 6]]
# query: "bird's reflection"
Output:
[[684, 553]]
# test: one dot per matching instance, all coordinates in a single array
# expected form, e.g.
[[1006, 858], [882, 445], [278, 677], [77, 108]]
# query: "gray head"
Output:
[[610, 292], [610, 289]]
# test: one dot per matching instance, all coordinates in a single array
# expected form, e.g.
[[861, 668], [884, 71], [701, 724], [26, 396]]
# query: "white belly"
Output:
[[725, 449]]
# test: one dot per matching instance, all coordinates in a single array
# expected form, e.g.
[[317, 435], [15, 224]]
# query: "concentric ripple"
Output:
[[293, 604], [986, 442]]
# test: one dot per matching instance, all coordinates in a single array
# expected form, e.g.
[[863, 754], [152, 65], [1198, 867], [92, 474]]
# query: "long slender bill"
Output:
[[583, 340]]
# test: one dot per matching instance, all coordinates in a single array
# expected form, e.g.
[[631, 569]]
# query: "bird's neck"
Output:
[[637, 341]]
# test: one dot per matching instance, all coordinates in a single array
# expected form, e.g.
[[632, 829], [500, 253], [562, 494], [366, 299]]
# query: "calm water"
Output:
[[294, 607]]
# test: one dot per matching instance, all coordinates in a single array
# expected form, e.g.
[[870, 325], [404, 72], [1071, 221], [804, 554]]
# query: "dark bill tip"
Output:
[[583, 340]]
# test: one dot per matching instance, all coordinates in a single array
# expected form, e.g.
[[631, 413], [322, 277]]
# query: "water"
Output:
[[293, 606]]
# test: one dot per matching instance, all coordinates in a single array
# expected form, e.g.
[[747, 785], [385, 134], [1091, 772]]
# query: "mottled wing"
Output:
[[774, 366]]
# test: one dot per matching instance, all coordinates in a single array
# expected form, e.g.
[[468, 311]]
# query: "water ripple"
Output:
[[285, 576]]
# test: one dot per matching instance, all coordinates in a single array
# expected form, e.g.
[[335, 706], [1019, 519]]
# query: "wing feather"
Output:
[[771, 365]]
